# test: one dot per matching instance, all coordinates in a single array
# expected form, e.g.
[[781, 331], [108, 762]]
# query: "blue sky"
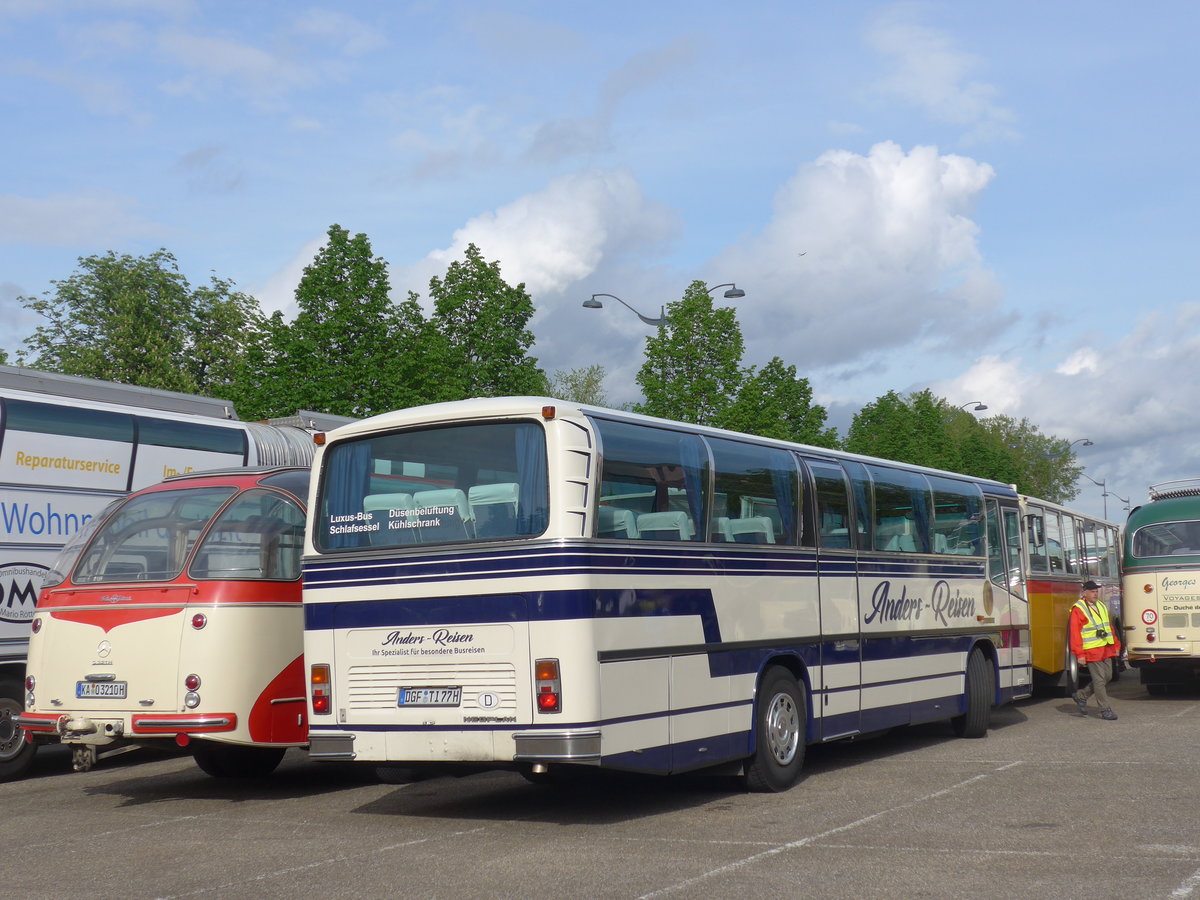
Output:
[[991, 200]]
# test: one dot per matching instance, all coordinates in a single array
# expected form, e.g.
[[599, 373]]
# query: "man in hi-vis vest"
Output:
[[1094, 643]]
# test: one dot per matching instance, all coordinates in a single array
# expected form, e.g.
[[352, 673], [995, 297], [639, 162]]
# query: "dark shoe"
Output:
[[1109, 715], [1082, 704]]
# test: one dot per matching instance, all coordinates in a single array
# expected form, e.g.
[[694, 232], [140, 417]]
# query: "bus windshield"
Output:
[[434, 485]]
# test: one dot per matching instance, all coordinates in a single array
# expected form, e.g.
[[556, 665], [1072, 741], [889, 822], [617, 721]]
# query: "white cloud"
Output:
[[214, 63], [1128, 396], [350, 36], [87, 218], [932, 73], [864, 254], [278, 292], [557, 236]]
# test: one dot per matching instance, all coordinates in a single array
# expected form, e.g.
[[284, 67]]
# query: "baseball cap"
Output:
[[1090, 586]]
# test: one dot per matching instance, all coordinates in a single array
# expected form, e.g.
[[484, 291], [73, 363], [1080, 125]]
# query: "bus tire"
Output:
[[780, 728], [231, 761], [974, 721], [16, 753]]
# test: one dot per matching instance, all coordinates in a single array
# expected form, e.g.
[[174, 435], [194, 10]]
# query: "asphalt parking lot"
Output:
[[1049, 804]]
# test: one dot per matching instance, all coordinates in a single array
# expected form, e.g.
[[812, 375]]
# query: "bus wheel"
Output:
[[16, 753], [229, 761], [779, 733], [973, 723]]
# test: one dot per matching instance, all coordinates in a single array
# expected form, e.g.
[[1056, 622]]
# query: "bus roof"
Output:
[[1169, 509], [51, 383], [499, 407]]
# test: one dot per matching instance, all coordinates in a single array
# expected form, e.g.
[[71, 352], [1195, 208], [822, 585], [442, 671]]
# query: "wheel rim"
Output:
[[783, 728], [12, 738]]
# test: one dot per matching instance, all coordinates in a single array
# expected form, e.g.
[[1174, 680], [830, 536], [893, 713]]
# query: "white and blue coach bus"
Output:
[[532, 583]]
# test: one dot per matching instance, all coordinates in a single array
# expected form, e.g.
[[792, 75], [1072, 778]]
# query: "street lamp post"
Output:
[[976, 406], [1103, 485], [593, 303], [733, 293]]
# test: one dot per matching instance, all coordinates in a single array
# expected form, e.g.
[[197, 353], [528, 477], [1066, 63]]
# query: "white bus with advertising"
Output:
[[530, 583], [71, 446]]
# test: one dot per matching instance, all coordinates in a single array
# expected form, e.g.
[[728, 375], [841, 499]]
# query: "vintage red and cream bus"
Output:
[[177, 618]]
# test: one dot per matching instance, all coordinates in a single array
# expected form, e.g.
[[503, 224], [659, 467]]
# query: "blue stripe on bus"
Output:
[[332, 574]]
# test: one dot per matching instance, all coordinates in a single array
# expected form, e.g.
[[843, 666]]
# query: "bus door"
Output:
[[1005, 602], [839, 704]]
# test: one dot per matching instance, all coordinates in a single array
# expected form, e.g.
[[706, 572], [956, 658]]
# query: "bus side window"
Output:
[[659, 473], [1035, 526], [834, 528], [1054, 542], [757, 488], [1069, 545]]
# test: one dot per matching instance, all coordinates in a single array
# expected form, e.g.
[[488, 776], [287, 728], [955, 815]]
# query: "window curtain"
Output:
[[348, 474], [534, 502], [692, 458]]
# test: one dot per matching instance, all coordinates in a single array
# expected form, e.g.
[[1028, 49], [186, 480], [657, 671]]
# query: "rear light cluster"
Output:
[[547, 686], [320, 690], [37, 625], [192, 684], [30, 684]]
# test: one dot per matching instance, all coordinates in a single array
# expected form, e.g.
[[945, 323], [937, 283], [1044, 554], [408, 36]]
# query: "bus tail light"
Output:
[[547, 686], [191, 684], [318, 679]]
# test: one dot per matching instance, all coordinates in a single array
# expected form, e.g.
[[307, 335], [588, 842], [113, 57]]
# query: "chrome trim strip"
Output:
[[577, 746]]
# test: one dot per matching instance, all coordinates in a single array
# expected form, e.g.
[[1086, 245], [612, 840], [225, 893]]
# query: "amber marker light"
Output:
[[548, 412], [319, 438]]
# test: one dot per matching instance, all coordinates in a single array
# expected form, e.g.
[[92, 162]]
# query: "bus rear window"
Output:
[[150, 537], [433, 486]]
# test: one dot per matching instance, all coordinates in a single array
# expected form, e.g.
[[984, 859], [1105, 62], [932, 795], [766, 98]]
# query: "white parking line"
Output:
[[316, 865], [742, 863]]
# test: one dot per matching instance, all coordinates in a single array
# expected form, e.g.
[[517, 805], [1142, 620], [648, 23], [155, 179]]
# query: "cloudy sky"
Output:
[[986, 199]]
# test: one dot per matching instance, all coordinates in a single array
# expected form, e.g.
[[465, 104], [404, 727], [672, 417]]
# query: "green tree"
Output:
[[885, 428], [137, 320], [926, 430], [585, 385], [350, 351], [773, 402], [478, 337], [1042, 465], [692, 370]]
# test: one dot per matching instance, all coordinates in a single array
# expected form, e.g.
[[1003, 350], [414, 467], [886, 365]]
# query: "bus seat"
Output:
[[721, 530], [494, 507], [379, 507], [675, 525], [751, 530], [614, 522], [836, 538], [458, 524]]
